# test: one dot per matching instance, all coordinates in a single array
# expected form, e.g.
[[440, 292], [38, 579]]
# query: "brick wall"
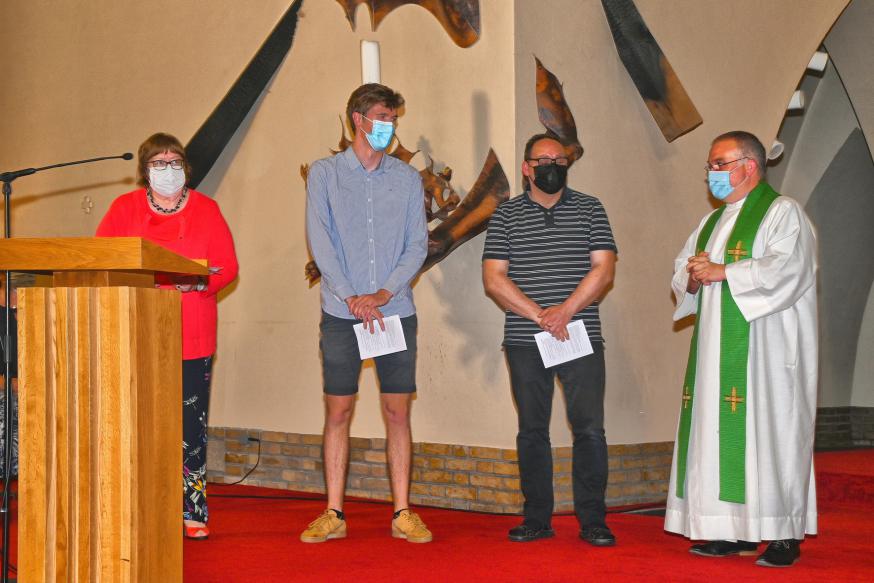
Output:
[[446, 476], [833, 428], [862, 426], [844, 427]]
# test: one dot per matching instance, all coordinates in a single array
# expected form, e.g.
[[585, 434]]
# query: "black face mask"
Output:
[[550, 179]]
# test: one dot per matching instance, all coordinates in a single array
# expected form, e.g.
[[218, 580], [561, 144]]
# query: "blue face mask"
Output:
[[720, 183], [381, 134]]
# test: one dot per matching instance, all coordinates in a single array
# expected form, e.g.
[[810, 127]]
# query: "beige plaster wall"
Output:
[[740, 68], [85, 82], [823, 128], [85, 79], [851, 45], [459, 102]]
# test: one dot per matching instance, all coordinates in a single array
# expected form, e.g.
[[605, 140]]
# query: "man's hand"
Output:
[[366, 308], [703, 271], [555, 320]]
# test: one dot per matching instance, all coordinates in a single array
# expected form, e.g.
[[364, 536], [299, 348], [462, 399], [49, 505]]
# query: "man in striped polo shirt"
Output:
[[549, 256]]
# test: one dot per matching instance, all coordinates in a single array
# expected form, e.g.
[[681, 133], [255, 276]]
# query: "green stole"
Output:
[[734, 342]]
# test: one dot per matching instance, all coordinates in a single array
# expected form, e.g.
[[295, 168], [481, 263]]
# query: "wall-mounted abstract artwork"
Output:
[[554, 113], [650, 70], [210, 139], [459, 18]]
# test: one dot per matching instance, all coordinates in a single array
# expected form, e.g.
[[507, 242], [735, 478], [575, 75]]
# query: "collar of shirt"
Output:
[[562, 199], [548, 213], [354, 163]]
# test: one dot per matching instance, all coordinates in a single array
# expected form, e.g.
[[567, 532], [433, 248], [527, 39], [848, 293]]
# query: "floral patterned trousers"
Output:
[[195, 417]]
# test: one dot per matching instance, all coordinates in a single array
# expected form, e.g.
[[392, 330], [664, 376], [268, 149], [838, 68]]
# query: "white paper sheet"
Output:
[[555, 352], [380, 342]]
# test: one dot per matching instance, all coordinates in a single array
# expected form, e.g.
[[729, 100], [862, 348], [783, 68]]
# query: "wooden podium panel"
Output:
[[100, 400]]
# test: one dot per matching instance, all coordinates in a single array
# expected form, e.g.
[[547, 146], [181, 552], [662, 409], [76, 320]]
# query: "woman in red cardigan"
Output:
[[165, 211]]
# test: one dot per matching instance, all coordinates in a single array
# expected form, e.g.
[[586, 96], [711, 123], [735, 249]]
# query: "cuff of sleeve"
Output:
[[686, 306], [499, 256], [392, 287], [343, 292], [739, 278], [741, 284]]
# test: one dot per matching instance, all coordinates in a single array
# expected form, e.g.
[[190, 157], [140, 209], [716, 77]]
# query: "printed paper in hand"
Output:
[[381, 341], [555, 352]]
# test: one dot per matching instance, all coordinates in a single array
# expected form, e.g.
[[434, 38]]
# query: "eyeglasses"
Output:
[[177, 164], [548, 161], [718, 165], [393, 120]]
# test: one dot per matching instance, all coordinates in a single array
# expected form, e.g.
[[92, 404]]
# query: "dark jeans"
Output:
[[583, 383]]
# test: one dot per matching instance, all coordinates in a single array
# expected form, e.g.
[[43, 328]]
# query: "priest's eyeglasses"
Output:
[[718, 165], [177, 164], [548, 161]]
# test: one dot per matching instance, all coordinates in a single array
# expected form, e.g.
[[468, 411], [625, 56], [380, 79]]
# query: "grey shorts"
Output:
[[341, 362]]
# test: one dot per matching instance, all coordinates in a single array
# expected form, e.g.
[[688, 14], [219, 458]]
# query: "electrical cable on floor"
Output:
[[257, 461]]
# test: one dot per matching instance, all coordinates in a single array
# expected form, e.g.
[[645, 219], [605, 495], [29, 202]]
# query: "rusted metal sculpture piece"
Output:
[[554, 113], [438, 191], [459, 18], [650, 70], [472, 216]]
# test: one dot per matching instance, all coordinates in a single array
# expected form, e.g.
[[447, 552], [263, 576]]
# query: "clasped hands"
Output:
[[366, 308], [703, 272], [554, 320]]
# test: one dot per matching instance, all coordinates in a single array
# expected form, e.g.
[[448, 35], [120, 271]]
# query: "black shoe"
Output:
[[598, 536], [724, 548], [525, 533], [780, 553]]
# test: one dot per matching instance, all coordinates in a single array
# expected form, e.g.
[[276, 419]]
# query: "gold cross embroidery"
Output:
[[734, 399], [686, 397], [738, 251]]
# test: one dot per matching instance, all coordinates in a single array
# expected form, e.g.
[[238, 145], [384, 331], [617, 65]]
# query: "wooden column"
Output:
[[100, 435]]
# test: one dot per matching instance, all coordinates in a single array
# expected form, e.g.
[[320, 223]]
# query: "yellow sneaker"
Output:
[[408, 525], [327, 525]]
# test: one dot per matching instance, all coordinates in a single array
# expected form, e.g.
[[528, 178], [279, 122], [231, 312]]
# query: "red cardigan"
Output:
[[198, 231]]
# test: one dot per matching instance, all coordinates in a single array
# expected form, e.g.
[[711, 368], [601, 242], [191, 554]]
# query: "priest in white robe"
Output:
[[774, 290]]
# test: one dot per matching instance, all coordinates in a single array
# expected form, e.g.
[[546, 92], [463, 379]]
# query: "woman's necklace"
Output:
[[159, 209]]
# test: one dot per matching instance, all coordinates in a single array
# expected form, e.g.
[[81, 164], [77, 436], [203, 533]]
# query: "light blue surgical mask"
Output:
[[380, 135], [719, 182]]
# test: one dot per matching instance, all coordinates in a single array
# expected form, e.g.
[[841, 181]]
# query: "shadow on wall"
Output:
[[481, 122], [213, 179], [842, 209], [124, 185], [456, 282]]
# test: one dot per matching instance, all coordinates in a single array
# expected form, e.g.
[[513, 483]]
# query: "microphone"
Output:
[[10, 176]]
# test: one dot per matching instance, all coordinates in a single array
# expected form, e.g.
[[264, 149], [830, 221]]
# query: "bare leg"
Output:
[[338, 417], [396, 413]]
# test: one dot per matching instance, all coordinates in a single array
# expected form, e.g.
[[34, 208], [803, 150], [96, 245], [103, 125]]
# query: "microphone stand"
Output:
[[7, 178]]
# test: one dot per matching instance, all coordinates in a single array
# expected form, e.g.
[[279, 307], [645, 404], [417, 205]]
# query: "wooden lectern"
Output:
[[100, 407]]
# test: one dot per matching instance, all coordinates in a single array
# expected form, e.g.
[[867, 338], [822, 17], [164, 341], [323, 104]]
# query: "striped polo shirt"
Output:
[[548, 251]]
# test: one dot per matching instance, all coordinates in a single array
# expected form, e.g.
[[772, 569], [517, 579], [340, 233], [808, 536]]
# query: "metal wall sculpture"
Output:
[[460, 221], [210, 140], [472, 216], [459, 18], [554, 113], [650, 70]]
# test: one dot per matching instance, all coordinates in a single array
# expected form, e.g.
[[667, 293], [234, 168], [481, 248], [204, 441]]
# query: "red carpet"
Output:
[[846, 478], [257, 540]]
